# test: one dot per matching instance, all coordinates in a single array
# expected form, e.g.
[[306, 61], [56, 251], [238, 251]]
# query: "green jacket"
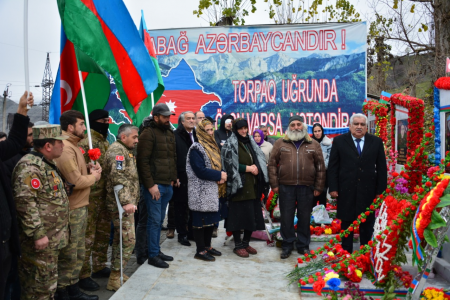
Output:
[[100, 142], [41, 201], [156, 156]]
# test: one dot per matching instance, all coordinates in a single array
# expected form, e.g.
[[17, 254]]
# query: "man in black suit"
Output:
[[357, 173]]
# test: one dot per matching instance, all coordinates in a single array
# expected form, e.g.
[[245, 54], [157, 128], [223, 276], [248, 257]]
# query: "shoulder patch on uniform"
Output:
[[120, 158], [35, 183]]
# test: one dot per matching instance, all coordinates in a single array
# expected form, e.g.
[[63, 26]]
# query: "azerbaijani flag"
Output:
[[145, 36], [384, 98], [104, 30], [66, 93]]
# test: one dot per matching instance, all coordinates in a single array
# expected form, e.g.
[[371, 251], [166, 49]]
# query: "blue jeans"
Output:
[[156, 210]]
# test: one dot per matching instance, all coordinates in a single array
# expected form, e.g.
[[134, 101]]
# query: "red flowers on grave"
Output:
[[94, 154], [318, 286], [380, 111]]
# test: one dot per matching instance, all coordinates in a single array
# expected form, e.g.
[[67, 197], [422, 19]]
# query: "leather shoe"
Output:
[[61, 294], [157, 262], [170, 233], [184, 241], [165, 257], [141, 260], [214, 252], [303, 251], [75, 293], [88, 284], [205, 256], [103, 273], [285, 253]]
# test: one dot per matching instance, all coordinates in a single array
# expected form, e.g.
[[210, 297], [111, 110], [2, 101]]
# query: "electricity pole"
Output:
[[47, 87], [5, 94]]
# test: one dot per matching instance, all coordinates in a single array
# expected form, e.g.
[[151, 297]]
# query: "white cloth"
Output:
[[361, 143]]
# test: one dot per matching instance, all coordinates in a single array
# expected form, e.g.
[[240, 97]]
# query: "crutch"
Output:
[[117, 188]]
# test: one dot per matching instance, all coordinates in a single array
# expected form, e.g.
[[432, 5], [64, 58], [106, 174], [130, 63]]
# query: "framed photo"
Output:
[[447, 137], [402, 130], [372, 127]]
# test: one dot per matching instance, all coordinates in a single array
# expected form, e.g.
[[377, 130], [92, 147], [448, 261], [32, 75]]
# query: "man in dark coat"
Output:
[[357, 173], [185, 136], [12, 162], [224, 132], [9, 234]]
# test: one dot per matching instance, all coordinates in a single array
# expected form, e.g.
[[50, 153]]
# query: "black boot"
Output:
[[88, 284], [61, 294], [103, 273], [76, 294]]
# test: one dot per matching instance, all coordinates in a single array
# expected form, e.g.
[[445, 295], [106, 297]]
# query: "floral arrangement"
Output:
[[271, 202], [380, 111], [443, 83], [434, 293], [416, 164], [400, 208], [94, 154]]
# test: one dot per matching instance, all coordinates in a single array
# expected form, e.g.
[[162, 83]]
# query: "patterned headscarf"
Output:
[[261, 134], [212, 150]]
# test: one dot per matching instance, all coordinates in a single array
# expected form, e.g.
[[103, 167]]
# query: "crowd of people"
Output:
[[58, 206]]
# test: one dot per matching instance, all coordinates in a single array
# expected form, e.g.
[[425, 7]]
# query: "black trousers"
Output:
[[294, 197], [322, 198], [171, 215], [5, 267], [141, 247], [203, 237], [180, 198], [365, 233]]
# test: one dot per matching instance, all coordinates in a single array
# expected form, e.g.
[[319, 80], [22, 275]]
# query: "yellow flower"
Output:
[[330, 275], [328, 231], [358, 273], [330, 254]]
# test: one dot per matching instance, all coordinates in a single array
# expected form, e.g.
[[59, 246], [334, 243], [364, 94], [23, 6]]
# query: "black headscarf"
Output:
[[323, 133], [238, 124]]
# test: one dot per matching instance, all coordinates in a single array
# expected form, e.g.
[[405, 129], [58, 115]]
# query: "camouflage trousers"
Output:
[[98, 230], [71, 257], [38, 273], [128, 240]]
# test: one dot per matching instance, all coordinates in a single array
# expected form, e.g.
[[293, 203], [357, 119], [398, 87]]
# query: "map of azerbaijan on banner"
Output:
[[262, 73]]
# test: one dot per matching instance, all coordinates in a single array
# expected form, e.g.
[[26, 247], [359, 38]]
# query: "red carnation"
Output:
[[94, 154], [428, 184], [310, 280], [428, 134]]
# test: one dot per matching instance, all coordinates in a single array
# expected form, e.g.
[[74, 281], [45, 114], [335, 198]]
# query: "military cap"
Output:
[[50, 131]]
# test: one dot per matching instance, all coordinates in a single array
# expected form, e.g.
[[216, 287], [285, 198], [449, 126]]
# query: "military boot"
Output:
[[76, 294], [114, 281]]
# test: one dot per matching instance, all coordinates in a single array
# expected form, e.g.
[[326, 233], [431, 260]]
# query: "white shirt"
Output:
[[361, 143]]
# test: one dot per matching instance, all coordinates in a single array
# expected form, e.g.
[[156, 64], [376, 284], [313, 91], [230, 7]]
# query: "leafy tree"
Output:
[[225, 12]]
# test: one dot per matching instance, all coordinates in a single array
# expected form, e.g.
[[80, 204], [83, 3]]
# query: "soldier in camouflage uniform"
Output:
[[99, 220], [120, 168], [43, 213]]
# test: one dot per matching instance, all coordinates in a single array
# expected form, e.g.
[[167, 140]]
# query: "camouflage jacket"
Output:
[[41, 201], [120, 168], [98, 141]]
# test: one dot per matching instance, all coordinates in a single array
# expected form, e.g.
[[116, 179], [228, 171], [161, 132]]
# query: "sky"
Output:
[[44, 34]]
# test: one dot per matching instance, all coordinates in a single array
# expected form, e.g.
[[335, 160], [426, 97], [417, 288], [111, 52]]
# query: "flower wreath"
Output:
[[414, 167], [380, 111], [442, 83]]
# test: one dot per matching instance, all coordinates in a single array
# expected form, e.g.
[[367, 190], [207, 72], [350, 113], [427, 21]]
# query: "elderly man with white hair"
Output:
[[357, 173], [297, 172]]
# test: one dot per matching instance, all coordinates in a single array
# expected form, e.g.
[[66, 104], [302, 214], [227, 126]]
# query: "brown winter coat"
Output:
[[289, 166], [156, 156]]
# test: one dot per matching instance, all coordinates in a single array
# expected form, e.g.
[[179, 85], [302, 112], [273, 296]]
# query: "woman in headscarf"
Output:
[[206, 183], [246, 169], [266, 147], [325, 144]]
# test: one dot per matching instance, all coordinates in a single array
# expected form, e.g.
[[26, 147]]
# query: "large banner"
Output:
[[264, 73]]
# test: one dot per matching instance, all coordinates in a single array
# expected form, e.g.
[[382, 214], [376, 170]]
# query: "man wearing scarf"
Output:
[[98, 223], [297, 173]]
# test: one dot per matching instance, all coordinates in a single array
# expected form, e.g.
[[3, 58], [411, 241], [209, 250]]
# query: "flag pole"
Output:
[[25, 48], [153, 101], [88, 126]]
